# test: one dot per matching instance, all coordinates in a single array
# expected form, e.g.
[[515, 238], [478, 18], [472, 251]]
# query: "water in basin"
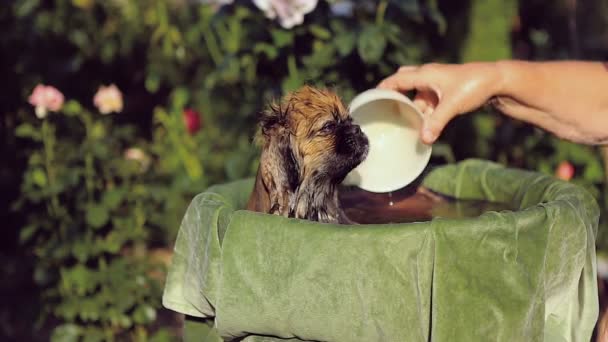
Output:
[[409, 205]]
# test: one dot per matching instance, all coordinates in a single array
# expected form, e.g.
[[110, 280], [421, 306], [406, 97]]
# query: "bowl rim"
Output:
[[376, 94]]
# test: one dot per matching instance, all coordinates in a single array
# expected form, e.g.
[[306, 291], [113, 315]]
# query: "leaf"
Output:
[[66, 333], [164, 335], [485, 125], [438, 20], [152, 83], [97, 216], [39, 177], [93, 334], [319, 32], [113, 241], [345, 43], [593, 172], [72, 108], [269, 50], [79, 279], [25, 130], [144, 314], [409, 7], [323, 56], [179, 98], [98, 131], [26, 7], [27, 232], [281, 38], [124, 321], [292, 82], [85, 247], [445, 151], [371, 44], [112, 198]]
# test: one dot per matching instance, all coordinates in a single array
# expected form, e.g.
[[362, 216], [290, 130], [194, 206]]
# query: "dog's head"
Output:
[[308, 140]]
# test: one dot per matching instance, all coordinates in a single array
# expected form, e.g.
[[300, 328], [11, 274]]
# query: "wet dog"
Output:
[[309, 144]]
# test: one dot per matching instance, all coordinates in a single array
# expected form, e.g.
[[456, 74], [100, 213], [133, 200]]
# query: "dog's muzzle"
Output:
[[352, 144]]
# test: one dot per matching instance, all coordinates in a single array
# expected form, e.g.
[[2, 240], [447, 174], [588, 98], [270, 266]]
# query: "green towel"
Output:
[[525, 275]]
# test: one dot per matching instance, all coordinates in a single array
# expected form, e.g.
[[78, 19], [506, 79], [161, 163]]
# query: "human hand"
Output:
[[444, 91]]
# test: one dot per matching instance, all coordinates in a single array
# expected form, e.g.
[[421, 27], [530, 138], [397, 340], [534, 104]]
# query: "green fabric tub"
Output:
[[525, 275]]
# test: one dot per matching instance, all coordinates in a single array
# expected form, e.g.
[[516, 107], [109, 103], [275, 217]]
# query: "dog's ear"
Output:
[[280, 169]]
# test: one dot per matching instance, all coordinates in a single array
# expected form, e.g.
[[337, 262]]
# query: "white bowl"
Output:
[[396, 155]]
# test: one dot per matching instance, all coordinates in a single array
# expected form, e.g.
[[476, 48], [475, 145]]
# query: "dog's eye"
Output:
[[328, 127]]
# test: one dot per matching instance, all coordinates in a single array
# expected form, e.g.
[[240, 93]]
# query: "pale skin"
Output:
[[568, 98]]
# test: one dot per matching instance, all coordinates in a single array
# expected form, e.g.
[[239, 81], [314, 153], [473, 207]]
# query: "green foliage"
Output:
[[87, 211]]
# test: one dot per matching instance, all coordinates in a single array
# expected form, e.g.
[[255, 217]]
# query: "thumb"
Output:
[[436, 120]]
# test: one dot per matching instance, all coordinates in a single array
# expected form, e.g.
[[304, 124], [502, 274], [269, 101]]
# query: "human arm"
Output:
[[569, 98]]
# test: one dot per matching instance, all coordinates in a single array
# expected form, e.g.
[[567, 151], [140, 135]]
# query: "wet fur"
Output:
[[309, 145]]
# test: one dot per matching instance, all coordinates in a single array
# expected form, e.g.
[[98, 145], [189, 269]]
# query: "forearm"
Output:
[[567, 98]]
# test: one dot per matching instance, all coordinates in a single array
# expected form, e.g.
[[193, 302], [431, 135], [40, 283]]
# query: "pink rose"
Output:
[[108, 99], [564, 171], [192, 120], [46, 98], [138, 155]]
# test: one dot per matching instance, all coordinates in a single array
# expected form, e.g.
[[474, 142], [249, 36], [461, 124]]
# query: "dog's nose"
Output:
[[354, 129]]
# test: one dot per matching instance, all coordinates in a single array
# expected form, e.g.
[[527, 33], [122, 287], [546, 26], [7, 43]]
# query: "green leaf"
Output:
[[164, 335], [124, 321], [179, 98], [345, 43], [97, 216], [242, 12], [98, 131], [42, 275], [292, 82], [93, 334], [144, 314], [409, 7], [27, 232], [269, 50], [281, 38], [112, 198], [66, 333], [485, 125], [113, 241], [26, 7], [72, 108], [79, 279], [593, 172], [439, 20], [39, 177], [152, 82], [25, 130], [323, 56], [371, 44], [319, 32], [445, 151]]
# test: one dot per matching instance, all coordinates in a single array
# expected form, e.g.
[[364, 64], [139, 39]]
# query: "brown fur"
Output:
[[296, 149]]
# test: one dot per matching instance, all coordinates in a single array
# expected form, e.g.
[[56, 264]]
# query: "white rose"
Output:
[[290, 12]]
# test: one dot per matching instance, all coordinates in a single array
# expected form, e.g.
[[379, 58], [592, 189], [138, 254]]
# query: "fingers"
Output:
[[405, 79], [436, 120], [402, 81], [426, 101], [420, 78], [438, 111]]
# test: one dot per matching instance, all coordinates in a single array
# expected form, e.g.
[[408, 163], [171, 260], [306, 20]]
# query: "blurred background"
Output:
[[115, 113]]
